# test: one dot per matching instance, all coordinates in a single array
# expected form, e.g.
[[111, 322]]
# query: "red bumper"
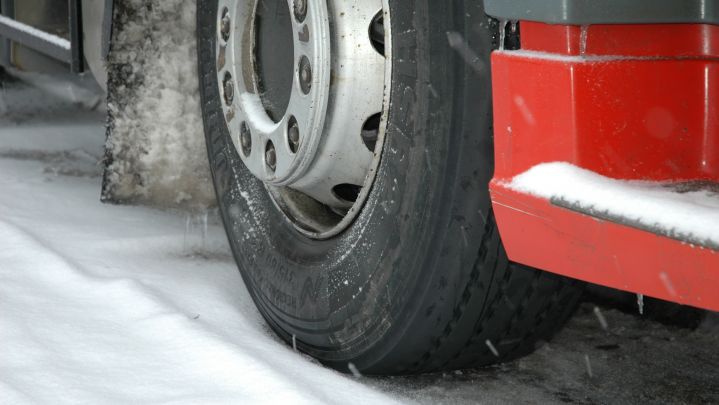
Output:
[[627, 102]]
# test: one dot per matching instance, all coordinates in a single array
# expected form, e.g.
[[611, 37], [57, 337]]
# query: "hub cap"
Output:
[[302, 82]]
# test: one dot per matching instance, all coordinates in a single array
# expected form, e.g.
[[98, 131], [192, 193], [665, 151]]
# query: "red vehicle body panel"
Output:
[[636, 102]]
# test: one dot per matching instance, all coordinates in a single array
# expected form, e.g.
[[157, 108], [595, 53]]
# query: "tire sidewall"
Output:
[[351, 298]]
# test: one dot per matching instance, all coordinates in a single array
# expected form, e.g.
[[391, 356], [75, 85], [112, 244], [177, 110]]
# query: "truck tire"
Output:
[[418, 281]]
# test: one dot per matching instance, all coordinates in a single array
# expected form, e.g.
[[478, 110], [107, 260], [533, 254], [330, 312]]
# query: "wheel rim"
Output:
[[302, 85]]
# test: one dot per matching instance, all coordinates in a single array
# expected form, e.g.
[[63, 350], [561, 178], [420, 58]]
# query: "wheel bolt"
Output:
[[245, 139], [293, 135], [225, 25], [305, 75], [229, 89], [271, 156], [300, 9]]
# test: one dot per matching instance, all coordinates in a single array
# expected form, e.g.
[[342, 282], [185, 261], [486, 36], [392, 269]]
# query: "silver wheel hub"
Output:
[[302, 84]]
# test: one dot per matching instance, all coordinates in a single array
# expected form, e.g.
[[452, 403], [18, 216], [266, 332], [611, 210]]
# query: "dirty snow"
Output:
[[157, 143], [104, 304], [682, 211]]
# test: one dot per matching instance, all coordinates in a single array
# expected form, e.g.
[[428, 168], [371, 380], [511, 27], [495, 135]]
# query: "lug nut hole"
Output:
[[245, 139], [225, 24], [300, 10], [347, 192], [293, 134], [228, 88], [370, 131], [270, 156], [376, 32], [305, 75]]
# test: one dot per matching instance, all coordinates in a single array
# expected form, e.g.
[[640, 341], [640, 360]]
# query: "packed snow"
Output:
[[685, 211], [113, 304], [157, 143], [108, 304]]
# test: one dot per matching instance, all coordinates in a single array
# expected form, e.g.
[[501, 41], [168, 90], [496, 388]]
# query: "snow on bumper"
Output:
[[597, 97], [656, 239], [686, 211]]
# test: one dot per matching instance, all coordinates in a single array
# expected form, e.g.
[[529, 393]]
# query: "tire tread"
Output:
[[516, 282]]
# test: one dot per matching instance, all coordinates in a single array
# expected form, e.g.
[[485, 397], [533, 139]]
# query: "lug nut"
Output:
[[305, 74], [293, 135], [245, 139], [300, 9], [229, 89], [225, 25], [271, 156]]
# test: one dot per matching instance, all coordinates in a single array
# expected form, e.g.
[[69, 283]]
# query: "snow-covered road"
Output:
[[103, 303], [117, 304]]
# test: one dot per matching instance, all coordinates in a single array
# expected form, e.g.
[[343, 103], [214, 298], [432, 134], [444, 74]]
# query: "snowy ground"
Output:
[[116, 304]]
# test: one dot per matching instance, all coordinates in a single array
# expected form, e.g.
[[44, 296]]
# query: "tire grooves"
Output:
[[545, 291], [562, 290], [489, 231]]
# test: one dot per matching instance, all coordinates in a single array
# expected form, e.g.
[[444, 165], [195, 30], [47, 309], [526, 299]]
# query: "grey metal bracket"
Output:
[[585, 12], [56, 47], [77, 63], [45, 43]]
